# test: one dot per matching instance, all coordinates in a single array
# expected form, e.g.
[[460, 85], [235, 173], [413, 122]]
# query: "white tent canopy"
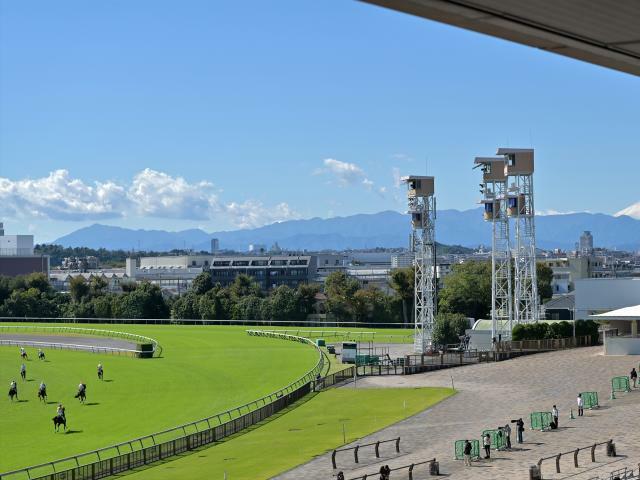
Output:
[[626, 313]]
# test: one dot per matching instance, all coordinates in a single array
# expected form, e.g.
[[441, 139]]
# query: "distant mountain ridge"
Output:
[[384, 229]]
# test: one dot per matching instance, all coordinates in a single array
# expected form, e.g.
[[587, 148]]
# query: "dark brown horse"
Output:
[[59, 420]]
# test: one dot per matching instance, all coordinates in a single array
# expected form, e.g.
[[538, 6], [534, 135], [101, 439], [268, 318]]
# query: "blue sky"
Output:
[[223, 115]]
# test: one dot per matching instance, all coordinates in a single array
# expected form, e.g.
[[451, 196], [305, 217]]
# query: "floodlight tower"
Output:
[[493, 189], [519, 171], [422, 208]]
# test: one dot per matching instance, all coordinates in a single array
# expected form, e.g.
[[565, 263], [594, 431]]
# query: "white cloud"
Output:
[[157, 194], [60, 197], [346, 174], [632, 211], [149, 194], [395, 172], [552, 212], [252, 213]]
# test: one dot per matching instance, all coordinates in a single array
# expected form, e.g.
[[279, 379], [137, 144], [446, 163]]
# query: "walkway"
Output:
[[491, 395]]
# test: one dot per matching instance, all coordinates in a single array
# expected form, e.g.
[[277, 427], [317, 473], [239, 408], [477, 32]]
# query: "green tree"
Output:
[[306, 293], [284, 304], [448, 328], [340, 290], [248, 308], [544, 274], [467, 290], [202, 283], [78, 288], [243, 286], [39, 281], [97, 285], [186, 307], [403, 282]]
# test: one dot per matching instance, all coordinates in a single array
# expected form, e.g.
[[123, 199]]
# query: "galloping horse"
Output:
[[13, 392], [42, 394], [81, 395], [23, 354], [59, 420], [40, 355]]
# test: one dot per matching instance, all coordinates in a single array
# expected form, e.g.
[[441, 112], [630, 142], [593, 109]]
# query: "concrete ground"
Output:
[[71, 339], [490, 395]]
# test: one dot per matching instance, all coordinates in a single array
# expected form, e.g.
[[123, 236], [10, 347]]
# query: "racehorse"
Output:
[[42, 394], [59, 420], [40, 355], [13, 392], [81, 395], [23, 374], [23, 355]]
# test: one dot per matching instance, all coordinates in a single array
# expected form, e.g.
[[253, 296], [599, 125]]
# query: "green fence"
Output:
[[540, 420], [498, 440], [620, 384], [590, 399], [475, 449], [367, 359]]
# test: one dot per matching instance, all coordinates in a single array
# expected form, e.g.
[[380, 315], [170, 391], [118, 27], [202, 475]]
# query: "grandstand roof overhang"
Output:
[[602, 32]]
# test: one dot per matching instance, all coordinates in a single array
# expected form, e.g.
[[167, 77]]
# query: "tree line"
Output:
[[466, 294]]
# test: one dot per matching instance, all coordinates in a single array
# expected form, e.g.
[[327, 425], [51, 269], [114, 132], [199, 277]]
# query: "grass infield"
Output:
[[203, 371], [305, 430]]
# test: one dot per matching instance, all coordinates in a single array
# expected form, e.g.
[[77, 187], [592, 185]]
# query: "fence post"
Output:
[[558, 463], [593, 453], [333, 459], [355, 453], [398, 445], [411, 472], [377, 449], [575, 457]]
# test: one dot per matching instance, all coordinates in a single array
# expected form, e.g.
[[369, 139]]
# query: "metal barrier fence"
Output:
[[124, 456], [540, 420], [498, 439], [459, 449], [346, 335], [434, 468], [357, 448], [94, 332], [590, 399], [624, 473], [610, 450], [620, 384]]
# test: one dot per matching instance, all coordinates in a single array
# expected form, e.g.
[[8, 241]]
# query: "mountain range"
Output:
[[383, 229]]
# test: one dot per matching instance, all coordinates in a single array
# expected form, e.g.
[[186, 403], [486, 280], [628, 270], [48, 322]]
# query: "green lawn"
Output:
[[311, 428], [204, 370]]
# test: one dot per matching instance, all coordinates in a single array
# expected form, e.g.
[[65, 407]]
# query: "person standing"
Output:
[[507, 435], [634, 376], [520, 430], [580, 402], [486, 441], [555, 414], [467, 453]]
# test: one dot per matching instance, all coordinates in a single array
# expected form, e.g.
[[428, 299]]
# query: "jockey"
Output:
[[13, 386], [23, 371], [82, 387], [60, 411], [99, 369], [42, 387], [22, 352]]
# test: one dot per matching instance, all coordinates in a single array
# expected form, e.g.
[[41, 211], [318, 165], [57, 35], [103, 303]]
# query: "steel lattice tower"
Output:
[[519, 166], [422, 208], [493, 188]]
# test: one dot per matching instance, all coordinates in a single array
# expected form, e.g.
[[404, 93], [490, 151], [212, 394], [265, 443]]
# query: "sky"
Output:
[[225, 115]]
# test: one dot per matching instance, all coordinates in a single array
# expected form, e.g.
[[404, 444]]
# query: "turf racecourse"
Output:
[[203, 371], [307, 429]]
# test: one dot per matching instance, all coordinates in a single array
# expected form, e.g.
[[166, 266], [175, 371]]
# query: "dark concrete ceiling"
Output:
[[602, 32]]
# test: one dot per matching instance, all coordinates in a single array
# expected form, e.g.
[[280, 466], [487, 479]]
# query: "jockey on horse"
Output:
[[60, 418], [82, 392], [23, 371], [13, 390], [23, 353], [42, 391], [100, 371], [40, 354]]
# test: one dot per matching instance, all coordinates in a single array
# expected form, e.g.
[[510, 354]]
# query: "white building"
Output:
[[402, 260], [601, 295], [13, 245], [215, 246]]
